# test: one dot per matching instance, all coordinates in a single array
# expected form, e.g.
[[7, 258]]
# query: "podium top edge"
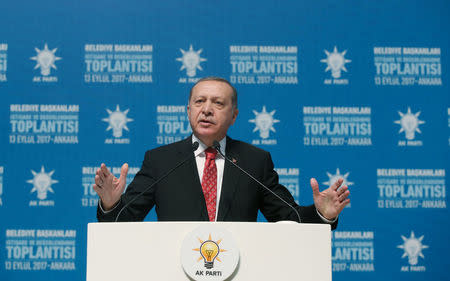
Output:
[[316, 225]]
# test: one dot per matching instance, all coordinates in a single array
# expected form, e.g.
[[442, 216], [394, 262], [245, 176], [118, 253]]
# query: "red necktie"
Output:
[[209, 182]]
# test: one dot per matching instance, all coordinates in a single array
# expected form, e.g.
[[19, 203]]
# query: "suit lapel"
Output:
[[229, 182], [191, 179]]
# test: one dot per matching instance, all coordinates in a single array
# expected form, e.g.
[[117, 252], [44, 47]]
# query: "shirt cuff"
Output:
[[325, 219], [112, 209]]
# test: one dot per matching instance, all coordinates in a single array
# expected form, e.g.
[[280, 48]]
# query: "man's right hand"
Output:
[[108, 187]]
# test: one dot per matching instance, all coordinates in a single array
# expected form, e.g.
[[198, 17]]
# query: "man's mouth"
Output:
[[206, 122]]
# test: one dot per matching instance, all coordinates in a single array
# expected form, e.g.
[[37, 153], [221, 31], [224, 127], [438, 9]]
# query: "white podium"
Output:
[[151, 250]]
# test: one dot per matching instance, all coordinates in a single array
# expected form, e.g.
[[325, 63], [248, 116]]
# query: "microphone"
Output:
[[216, 146], [194, 148]]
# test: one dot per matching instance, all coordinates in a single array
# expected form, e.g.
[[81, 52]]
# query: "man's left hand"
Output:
[[332, 200]]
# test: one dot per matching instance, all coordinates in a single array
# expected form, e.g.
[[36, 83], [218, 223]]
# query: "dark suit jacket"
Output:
[[179, 197]]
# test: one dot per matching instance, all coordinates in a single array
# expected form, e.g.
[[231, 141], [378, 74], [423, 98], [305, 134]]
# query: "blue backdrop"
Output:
[[352, 89]]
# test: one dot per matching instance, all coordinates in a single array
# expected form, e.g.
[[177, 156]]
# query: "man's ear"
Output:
[[235, 114]]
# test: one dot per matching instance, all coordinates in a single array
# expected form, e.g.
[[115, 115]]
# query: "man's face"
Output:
[[210, 111]]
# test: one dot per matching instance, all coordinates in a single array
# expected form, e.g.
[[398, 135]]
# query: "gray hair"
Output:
[[218, 79]]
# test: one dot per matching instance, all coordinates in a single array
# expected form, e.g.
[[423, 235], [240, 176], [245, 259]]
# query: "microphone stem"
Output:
[[194, 147], [217, 147]]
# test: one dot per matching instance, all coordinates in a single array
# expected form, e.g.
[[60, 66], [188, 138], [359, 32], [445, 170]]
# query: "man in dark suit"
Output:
[[206, 186]]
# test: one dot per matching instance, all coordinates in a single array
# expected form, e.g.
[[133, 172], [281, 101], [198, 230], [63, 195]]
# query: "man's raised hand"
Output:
[[108, 187], [332, 200]]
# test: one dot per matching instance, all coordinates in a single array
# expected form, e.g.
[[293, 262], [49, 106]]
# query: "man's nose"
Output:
[[207, 108]]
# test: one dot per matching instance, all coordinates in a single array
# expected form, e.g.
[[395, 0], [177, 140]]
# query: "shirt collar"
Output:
[[202, 147]]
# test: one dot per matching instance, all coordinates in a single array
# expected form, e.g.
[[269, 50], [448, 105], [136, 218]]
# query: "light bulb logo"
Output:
[[45, 59], [413, 248], [117, 121], [209, 251], [335, 62], [191, 61], [42, 183], [409, 123], [333, 178], [264, 122]]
